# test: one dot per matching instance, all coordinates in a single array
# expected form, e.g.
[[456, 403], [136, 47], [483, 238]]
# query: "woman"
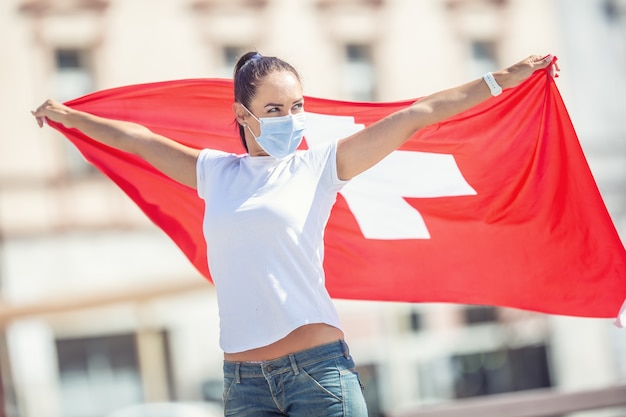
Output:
[[265, 214]]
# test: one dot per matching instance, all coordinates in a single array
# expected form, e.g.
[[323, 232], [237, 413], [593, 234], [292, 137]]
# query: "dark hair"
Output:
[[250, 70]]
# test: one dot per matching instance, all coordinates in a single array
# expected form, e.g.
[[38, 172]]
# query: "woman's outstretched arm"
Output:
[[367, 147], [175, 160]]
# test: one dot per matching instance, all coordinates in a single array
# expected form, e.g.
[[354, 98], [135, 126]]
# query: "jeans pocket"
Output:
[[323, 377], [228, 385]]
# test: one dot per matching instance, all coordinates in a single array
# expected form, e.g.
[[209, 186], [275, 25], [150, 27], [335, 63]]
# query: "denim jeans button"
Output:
[[269, 368]]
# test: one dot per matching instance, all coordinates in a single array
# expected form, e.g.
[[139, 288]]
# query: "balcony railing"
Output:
[[534, 403]]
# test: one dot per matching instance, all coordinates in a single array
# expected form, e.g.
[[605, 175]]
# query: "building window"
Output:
[[212, 390], [435, 379], [98, 375], [615, 10], [500, 371], [230, 56], [73, 78], [480, 314], [368, 375], [415, 321], [483, 57], [359, 74]]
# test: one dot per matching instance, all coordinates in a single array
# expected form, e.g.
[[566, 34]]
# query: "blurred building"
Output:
[[100, 310]]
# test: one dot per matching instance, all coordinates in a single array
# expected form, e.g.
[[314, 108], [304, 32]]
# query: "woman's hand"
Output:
[[515, 74], [52, 110]]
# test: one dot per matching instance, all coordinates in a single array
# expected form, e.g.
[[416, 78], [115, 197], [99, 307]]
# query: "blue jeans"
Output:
[[316, 382]]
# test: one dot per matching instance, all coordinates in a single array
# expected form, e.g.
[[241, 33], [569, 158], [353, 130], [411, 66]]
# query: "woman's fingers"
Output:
[[38, 119], [50, 109], [554, 69], [41, 120], [551, 61]]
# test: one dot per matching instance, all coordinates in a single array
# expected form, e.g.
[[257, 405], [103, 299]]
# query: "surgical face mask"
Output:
[[280, 136]]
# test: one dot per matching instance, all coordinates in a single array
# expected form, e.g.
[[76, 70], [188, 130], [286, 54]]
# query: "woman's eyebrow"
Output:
[[274, 105], [282, 105]]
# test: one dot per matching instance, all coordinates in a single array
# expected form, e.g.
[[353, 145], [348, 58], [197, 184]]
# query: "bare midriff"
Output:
[[305, 337]]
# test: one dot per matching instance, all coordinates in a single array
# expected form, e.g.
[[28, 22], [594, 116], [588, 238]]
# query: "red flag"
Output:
[[495, 206]]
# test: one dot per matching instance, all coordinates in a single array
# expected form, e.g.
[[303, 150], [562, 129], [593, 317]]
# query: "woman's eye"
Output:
[[298, 106]]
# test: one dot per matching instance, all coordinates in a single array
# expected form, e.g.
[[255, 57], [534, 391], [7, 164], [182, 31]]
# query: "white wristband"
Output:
[[493, 85]]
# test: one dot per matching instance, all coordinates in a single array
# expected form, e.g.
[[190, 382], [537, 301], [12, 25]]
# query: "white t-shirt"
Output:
[[264, 227]]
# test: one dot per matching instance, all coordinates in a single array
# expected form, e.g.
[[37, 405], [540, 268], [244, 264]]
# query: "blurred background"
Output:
[[99, 311]]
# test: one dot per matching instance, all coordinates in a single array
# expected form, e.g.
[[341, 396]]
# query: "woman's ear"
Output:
[[240, 113]]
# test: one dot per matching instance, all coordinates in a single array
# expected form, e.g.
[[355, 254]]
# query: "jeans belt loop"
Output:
[[294, 365], [346, 349], [237, 373]]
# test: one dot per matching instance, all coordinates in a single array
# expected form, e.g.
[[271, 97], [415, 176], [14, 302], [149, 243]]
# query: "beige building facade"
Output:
[[99, 310]]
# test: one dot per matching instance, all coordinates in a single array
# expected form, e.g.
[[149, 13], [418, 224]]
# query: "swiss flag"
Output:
[[494, 206]]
